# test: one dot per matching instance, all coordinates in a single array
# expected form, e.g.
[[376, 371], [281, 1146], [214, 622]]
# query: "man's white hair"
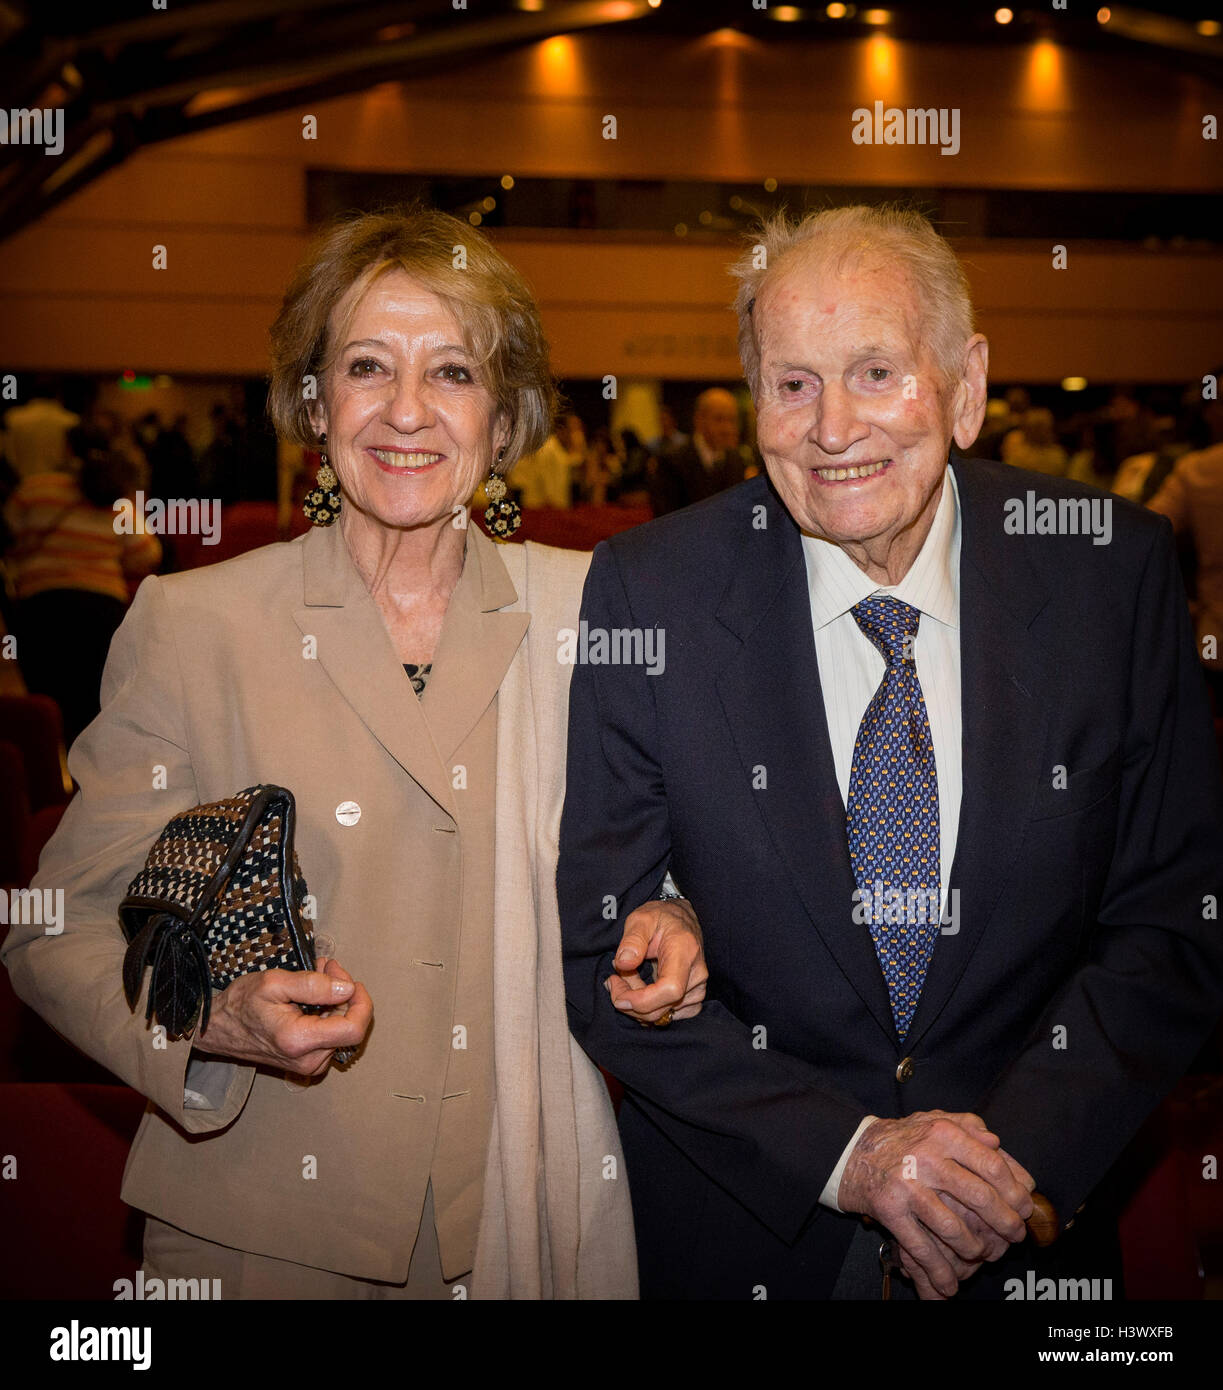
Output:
[[842, 238]]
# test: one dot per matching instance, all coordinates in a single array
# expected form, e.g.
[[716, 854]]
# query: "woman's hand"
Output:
[[256, 1018], [667, 932]]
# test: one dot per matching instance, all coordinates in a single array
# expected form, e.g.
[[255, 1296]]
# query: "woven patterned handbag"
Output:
[[219, 896]]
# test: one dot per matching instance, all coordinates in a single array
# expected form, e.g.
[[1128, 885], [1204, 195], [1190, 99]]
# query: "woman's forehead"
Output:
[[392, 296]]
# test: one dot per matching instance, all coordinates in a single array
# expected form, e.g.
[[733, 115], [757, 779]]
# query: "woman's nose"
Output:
[[408, 406]]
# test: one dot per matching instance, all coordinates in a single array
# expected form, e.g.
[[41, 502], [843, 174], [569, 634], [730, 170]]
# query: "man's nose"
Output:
[[838, 425]]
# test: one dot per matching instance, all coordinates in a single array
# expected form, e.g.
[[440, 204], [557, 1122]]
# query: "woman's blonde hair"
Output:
[[488, 297]]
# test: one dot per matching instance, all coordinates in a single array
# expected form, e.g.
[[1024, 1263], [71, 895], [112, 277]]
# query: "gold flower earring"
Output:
[[503, 516], [323, 502]]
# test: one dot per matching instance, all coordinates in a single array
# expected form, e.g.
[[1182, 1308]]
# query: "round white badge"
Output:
[[348, 813]]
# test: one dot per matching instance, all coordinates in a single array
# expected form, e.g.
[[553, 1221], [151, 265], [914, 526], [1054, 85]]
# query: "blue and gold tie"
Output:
[[892, 810]]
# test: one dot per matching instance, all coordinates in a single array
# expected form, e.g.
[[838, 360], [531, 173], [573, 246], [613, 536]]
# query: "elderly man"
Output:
[[711, 461], [938, 777]]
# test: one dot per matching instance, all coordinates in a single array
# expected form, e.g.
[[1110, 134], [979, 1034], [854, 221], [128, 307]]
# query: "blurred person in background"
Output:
[[670, 435], [547, 477], [633, 487], [1034, 445], [35, 435], [71, 571], [1191, 497], [600, 470], [712, 461]]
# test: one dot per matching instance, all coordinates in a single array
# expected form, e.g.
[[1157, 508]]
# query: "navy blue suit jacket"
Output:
[[1087, 968]]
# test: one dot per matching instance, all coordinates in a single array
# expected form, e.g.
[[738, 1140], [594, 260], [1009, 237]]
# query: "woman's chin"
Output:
[[414, 514]]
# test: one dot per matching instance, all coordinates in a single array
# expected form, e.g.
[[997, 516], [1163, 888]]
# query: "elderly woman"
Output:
[[399, 673]]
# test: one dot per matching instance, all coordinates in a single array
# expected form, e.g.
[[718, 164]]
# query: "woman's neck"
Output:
[[408, 563], [410, 574]]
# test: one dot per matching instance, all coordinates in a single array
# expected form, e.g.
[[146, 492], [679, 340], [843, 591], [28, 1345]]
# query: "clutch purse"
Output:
[[220, 895]]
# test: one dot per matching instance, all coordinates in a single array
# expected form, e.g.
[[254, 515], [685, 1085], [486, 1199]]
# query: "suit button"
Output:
[[906, 1069]]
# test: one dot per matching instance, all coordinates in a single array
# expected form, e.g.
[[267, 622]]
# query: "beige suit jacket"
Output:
[[276, 667]]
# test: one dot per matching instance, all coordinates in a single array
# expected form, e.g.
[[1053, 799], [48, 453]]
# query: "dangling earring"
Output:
[[503, 515], [323, 502]]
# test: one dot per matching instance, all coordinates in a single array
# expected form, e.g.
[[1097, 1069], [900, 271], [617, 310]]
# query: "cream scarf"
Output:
[[556, 1219]]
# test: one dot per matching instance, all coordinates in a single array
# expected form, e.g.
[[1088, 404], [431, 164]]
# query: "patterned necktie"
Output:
[[892, 810]]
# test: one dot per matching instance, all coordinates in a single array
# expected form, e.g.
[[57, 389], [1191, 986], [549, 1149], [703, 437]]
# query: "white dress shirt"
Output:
[[851, 669]]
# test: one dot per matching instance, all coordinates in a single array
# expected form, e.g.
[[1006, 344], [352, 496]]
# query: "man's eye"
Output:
[[364, 366], [454, 371], [793, 386]]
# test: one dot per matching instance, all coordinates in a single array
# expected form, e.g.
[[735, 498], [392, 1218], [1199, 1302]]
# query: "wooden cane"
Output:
[[1043, 1225]]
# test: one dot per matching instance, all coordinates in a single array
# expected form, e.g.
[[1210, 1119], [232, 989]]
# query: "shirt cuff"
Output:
[[206, 1083], [832, 1188]]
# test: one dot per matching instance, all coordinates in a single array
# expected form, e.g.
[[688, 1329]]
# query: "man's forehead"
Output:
[[807, 297]]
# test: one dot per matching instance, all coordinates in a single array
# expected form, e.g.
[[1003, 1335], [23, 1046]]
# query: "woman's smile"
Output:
[[407, 461]]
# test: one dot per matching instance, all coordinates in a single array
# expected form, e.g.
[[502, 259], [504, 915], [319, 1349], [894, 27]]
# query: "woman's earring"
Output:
[[323, 502], [502, 516]]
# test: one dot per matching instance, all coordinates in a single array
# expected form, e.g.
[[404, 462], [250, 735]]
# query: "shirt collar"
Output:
[[932, 585]]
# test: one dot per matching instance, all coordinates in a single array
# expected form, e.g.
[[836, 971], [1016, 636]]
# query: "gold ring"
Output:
[[668, 1015]]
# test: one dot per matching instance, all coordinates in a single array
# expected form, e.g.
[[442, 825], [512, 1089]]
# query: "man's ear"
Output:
[[971, 392]]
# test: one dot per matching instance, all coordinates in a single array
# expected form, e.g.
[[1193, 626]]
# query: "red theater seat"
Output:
[[33, 724], [67, 1235]]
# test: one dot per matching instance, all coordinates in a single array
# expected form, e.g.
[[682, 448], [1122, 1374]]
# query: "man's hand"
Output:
[[666, 932], [995, 1247], [256, 1019], [901, 1173]]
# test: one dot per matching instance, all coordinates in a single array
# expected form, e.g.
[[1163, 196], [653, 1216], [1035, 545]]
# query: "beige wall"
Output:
[[78, 291]]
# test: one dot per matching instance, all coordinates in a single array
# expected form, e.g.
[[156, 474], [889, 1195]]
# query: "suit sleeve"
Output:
[[756, 1121], [134, 773], [1150, 987]]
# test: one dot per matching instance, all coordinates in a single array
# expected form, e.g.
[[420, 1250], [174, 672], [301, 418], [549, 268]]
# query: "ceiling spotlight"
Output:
[[787, 13], [877, 16], [1074, 383], [835, 11], [1103, 14], [507, 181], [1004, 16], [1208, 28]]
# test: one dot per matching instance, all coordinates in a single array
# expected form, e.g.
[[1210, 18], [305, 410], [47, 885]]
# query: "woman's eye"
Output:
[[364, 366], [454, 371], [878, 373]]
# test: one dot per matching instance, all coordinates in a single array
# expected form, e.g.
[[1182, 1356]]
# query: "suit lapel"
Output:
[[771, 693], [1005, 686], [355, 649]]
